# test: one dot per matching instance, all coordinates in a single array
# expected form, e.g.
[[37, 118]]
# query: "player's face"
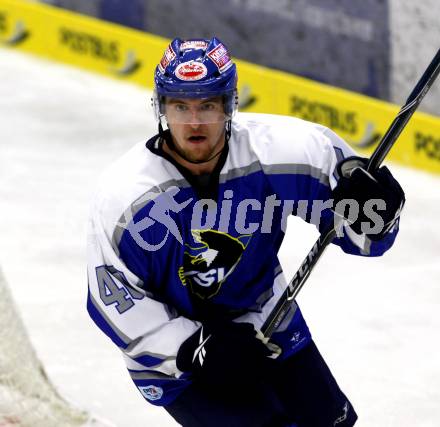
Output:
[[197, 126]]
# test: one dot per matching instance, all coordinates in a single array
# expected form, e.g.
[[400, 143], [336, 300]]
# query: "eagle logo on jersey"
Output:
[[207, 265]]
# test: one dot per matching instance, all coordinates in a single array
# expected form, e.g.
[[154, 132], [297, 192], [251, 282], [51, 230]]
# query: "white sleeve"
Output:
[[146, 330]]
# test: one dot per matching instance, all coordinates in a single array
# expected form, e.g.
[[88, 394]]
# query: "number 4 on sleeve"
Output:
[[114, 288]]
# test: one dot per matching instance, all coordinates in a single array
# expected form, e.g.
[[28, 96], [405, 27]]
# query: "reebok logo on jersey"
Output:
[[200, 350], [344, 416]]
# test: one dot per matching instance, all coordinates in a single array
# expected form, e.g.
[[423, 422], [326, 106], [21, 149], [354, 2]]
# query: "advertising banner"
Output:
[[79, 40], [360, 120], [339, 42], [131, 55]]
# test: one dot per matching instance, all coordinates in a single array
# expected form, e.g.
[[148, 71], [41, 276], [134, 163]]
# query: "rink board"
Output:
[[132, 55]]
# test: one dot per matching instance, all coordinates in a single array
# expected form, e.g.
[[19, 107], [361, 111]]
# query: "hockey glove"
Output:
[[357, 184], [221, 356]]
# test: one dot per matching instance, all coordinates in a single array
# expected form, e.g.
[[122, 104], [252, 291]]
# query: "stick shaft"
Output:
[[283, 305]]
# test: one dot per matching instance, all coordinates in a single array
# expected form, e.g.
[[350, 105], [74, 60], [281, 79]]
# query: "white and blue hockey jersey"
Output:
[[161, 256]]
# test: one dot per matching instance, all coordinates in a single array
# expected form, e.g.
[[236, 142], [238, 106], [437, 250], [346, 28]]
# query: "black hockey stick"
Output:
[[284, 303]]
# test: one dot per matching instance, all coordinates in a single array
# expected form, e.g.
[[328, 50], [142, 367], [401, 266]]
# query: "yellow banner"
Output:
[[360, 120], [132, 55], [79, 40]]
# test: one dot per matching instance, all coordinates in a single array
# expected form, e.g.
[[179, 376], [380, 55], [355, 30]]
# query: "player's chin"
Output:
[[197, 149], [198, 158], [199, 155]]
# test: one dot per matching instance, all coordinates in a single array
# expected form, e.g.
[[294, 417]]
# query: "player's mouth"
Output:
[[197, 139]]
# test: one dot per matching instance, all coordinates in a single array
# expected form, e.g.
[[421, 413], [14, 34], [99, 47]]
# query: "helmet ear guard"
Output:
[[230, 103], [158, 104]]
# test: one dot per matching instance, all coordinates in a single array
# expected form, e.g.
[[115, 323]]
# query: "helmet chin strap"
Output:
[[169, 141]]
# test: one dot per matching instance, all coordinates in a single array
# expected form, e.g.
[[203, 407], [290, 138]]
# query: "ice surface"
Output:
[[377, 321]]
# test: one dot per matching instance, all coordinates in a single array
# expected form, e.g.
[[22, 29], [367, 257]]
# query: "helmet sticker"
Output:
[[191, 71], [168, 56], [197, 68], [220, 56], [194, 44]]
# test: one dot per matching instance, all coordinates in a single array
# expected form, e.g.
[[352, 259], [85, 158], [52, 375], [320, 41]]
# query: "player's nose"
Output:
[[195, 123]]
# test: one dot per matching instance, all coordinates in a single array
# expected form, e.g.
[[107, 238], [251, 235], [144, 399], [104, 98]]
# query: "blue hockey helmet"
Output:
[[196, 68]]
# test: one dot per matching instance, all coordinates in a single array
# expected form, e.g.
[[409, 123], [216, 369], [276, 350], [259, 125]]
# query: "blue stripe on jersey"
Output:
[[148, 361], [102, 323]]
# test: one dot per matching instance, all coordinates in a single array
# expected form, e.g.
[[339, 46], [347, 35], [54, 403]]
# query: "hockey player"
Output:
[[183, 242]]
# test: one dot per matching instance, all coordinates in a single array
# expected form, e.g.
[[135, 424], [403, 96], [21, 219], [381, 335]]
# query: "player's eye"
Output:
[[209, 106], [180, 108]]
